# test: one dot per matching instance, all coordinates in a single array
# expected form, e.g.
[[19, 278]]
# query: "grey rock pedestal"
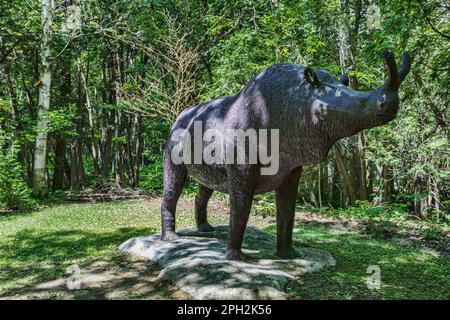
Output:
[[195, 263]]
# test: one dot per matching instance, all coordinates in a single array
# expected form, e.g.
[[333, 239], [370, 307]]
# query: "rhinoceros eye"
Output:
[[345, 80]]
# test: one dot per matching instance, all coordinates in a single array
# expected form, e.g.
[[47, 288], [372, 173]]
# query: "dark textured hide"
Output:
[[312, 110]]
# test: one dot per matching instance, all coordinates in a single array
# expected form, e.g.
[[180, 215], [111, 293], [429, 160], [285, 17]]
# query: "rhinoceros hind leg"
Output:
[[174, 180]]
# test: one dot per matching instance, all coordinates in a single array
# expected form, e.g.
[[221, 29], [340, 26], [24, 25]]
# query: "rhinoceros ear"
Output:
[[345, 80], [311, 77]]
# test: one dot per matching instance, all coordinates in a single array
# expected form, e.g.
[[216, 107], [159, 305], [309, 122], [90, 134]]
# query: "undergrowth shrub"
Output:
[[14, 192], [152, 177], [152, 174]]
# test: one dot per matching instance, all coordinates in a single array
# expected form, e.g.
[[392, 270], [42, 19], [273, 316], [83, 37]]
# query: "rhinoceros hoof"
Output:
[[289, 253], [205, 227], [234, 255], [169, 236]]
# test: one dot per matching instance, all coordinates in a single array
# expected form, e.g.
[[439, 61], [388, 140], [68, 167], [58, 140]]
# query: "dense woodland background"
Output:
[[90, 88]]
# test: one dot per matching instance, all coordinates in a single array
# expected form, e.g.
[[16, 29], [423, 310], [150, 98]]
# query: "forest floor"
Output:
[[44, 252]]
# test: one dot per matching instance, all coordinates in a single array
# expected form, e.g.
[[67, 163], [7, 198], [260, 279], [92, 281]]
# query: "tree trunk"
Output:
[[14, 111], [362, 163], [333, 197], [118, 120], [118, 155], [94, 147], [109, 78], [12, 99], [138, 132], [77, 169], [60, 155], [436, 200], [345, 178], [324, 183], [40, 152], [319, 186], [418, 196], [347, 49], [130, 159], [67, 171], [59, 137], [386, 183], [138, 149]]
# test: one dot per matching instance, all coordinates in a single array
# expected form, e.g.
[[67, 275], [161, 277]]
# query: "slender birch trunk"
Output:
[[40, 153]]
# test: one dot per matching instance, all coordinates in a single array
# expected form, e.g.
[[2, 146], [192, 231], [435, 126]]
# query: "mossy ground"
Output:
[[38, 247]]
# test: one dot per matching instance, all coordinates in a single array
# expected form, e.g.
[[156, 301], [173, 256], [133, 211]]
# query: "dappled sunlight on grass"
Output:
[[406, 272], [37, 247]]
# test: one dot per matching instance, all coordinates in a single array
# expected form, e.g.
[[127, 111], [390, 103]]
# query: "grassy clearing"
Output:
[[407, 271], [37, 247]]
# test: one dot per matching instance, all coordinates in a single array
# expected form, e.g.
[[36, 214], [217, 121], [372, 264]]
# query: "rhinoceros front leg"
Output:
[[286, 196], [201, 205], [241, 190], [174, 180]]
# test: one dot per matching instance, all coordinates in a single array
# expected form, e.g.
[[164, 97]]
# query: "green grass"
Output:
[[406, 271], [37, 247]]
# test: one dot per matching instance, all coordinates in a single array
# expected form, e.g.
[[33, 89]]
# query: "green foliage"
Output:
[[112, 69], [264, 205], [364, 209], [14, 192], [431, 231], [118, 62], [152, 174], [60, 122], [152, 177], [384, 221]]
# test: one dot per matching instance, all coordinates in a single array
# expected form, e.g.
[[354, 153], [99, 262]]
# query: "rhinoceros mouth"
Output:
[[386, 115]]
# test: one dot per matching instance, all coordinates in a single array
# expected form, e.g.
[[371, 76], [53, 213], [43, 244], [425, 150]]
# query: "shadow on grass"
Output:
[[388, 230], [407, 272], [34, 265]]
